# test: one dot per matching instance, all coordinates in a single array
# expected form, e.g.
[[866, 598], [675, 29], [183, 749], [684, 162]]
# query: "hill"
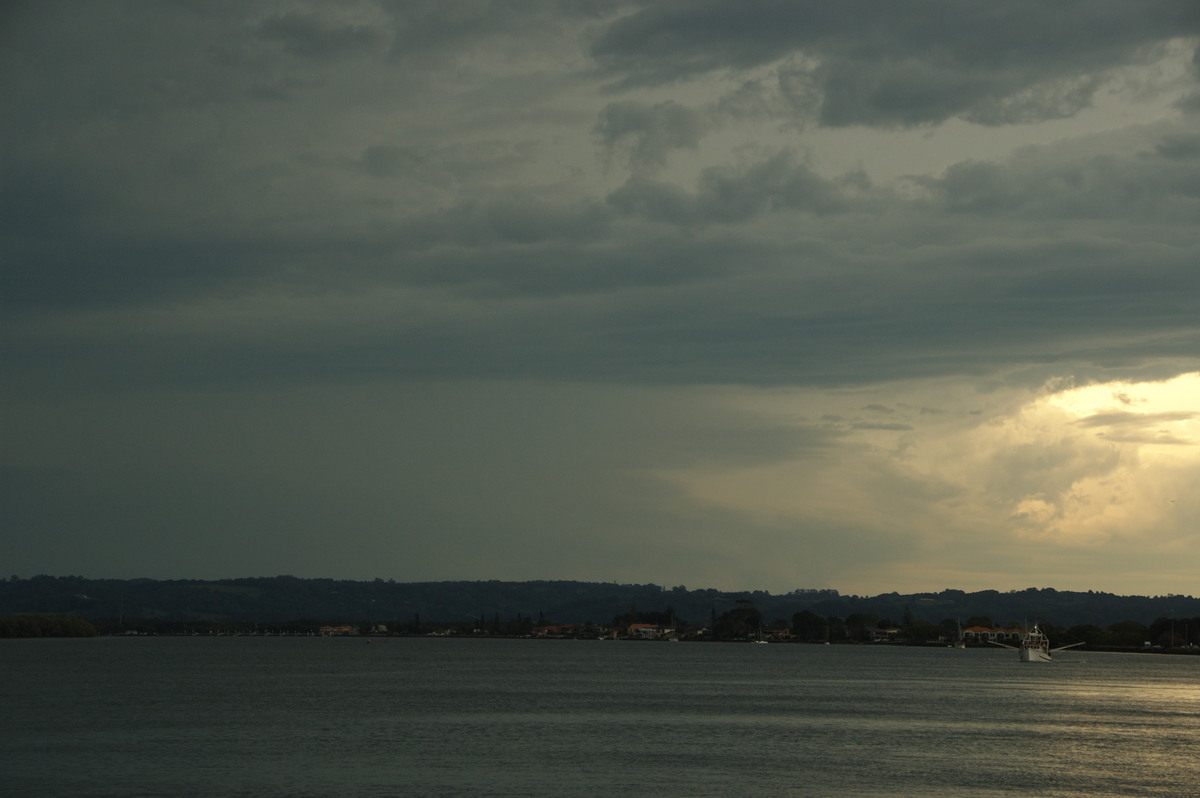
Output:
[[283, 599]]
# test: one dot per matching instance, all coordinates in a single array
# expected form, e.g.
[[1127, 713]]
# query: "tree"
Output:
[[858, 624], [1129, 633], [45, 626], [807, 625], [836, 628], [741, 622], [1091, 634], [918, 631], [948, 629]]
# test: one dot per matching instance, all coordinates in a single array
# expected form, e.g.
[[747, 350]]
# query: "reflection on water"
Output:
[[278, 716]]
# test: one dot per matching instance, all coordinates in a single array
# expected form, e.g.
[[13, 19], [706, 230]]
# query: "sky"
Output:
[[767, 295]]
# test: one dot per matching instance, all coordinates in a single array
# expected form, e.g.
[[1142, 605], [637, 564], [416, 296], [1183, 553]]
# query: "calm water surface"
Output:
[[252, 716]]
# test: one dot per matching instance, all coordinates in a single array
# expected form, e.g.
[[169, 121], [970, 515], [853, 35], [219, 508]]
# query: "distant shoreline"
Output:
[[1192, 650]]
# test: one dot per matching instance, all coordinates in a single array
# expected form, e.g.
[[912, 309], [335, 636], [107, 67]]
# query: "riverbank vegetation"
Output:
[[45, 626], [289, 605]]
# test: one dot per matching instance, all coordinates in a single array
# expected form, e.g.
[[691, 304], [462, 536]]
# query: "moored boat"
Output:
[[1035, 646]]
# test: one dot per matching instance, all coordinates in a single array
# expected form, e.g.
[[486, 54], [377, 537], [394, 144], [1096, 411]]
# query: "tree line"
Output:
[[496, 606], [859, 627], [743, 622], [45, 626]]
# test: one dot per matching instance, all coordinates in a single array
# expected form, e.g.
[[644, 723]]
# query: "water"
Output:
[[252, 716]]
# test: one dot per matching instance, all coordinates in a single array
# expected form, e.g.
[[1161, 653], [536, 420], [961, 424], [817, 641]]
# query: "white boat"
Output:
[[1035, 646]]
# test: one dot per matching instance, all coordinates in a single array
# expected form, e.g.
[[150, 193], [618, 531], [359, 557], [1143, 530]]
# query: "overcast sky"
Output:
[[758, 294]]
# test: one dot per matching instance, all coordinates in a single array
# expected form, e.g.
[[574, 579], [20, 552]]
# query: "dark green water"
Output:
[[252, 716]]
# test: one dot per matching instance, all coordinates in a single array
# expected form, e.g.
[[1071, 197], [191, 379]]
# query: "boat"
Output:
[[959, 642], [1035, 646]]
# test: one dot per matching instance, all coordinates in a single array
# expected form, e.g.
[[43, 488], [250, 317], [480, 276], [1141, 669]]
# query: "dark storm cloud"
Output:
[[306, 36], [739, 307], [725, 194], [1180, 147], [1163, 184], [648, 133], [67, 65], [453, 26], [528, 286], [901, 63], [384, 160], [1190, 103]]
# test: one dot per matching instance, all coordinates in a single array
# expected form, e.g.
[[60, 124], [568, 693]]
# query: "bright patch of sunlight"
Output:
[[1136, 453]]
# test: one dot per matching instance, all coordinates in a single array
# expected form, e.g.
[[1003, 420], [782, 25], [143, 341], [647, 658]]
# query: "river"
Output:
[[278, 716]]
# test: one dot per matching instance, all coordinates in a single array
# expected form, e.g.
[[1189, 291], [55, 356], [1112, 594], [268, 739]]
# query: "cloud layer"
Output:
[[456, 289]]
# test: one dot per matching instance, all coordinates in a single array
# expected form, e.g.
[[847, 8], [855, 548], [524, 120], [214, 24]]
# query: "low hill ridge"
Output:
[[289, 598]]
